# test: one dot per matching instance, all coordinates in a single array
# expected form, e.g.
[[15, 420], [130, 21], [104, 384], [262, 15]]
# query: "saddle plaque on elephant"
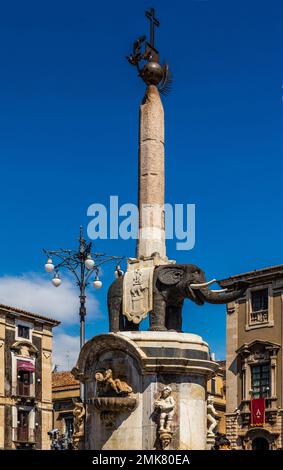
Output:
[[137, 295]]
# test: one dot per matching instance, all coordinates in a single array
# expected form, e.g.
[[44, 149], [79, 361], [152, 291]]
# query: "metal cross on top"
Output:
[[145, 57], [150, 14]]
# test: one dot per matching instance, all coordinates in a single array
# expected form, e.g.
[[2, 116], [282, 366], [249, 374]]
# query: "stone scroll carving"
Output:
[[138, 294], [165, 407], [79, 419]]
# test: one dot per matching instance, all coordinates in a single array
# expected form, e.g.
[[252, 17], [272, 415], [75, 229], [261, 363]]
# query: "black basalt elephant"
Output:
[[172, 284]]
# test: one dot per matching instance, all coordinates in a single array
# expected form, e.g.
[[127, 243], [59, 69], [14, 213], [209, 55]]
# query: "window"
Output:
[[213, 386], [259, 302], [261, 381], [69, 426], [23, 426], [23, 331], [24, 381]]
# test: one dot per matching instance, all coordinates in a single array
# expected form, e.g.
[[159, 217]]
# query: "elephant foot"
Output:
[[157, 328]]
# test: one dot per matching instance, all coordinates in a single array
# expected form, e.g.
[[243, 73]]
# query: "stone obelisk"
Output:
[[151, 237]]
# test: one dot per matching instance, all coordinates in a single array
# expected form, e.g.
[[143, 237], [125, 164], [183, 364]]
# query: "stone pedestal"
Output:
[[126, 373], [210, 441]]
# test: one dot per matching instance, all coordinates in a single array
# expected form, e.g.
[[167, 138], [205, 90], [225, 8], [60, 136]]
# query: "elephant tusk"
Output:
[[204, 284], [218, 290]]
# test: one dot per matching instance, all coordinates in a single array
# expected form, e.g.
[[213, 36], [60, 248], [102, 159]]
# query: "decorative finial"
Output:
[[145, 57]]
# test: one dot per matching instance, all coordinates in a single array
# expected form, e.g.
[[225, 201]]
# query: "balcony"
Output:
[[259, 316], [245, 412], [271, 411], [23, 434], [24, 392]]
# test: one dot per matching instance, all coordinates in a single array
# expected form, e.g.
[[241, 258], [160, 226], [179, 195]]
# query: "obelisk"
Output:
[[151, 237]]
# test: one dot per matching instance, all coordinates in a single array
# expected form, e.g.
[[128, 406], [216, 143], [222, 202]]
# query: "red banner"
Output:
[[25, 365], [257, 412]]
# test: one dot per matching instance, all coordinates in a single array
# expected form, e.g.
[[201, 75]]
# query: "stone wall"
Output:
[[9, 340], [232, 429], [38, 369], [8, 427]]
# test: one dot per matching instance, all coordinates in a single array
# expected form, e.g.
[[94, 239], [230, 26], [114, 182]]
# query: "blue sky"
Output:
[[69, 125]]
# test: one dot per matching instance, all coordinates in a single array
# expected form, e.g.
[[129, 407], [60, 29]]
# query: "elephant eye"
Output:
[[177, 275]]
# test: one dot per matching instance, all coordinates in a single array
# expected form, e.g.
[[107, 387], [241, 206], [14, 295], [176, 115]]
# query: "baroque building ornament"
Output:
[[24, 348], [47, 354]]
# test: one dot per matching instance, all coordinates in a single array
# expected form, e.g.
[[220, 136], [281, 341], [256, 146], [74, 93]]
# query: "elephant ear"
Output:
[[170, 276]]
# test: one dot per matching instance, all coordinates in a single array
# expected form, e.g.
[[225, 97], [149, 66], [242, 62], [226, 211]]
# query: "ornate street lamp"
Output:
[[83, 264]]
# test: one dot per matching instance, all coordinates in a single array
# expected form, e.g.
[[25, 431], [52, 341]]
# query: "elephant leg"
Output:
[[173, 318], [114, 300], [157, 315], [114, 311]]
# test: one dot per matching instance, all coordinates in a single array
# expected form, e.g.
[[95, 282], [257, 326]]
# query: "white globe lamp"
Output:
[[56, 281], [49, 266], [97, 284], [89, 263]]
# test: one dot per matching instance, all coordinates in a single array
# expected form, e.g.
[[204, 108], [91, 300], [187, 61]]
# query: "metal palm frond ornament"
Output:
[[145, 57]]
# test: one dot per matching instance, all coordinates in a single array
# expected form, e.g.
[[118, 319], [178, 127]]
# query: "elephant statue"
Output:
[[172, 284]]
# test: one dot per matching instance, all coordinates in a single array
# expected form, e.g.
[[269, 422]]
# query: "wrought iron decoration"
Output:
[[145, 57]]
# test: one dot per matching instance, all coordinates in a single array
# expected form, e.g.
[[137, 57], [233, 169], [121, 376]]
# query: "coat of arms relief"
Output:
[[137, 298]]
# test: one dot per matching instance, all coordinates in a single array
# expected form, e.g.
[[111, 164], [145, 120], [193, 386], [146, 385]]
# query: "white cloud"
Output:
[[65, 351], [36, 293]]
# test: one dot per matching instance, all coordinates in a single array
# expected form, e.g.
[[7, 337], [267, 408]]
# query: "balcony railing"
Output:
[[23, 390], [24, 434], [271, 411], [260, 316]]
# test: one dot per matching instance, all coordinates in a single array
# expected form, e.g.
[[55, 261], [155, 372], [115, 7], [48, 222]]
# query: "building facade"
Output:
[[25, 379], [254, 385], [216, 387], [65, 393]]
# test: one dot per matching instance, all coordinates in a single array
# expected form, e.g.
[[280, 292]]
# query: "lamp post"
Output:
[[83, 264]]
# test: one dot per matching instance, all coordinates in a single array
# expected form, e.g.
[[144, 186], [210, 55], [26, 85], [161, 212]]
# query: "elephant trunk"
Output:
[[220, 297]]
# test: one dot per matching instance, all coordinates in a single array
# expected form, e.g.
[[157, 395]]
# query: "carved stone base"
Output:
[[210, 441], [148, 362]]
